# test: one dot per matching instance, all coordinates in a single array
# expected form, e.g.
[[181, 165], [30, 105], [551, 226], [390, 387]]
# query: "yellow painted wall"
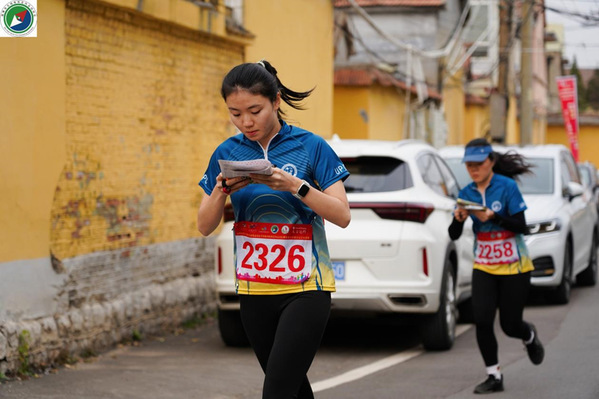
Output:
[[539, 131], [32, 134], [384, 108], [476, 123], [588, 141], [539, 126], [456, 113], [297, 38], [513, 125], [386, 115], [348, 102], [180, 12]]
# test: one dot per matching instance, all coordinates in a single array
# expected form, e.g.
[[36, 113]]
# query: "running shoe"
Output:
[[492, 384], [535, 349]]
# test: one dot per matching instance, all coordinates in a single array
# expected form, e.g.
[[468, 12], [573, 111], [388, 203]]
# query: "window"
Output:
[[459, 171], [431, 174], [585, 174], [565, 174], [376, 174], [450, 181], [541, 179], [571, 166]]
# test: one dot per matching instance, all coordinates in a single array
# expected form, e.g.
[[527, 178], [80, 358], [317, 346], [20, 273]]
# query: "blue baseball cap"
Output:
[[477, 153]]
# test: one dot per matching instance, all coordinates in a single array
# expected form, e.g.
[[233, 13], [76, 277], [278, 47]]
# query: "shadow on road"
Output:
[[370, 332]]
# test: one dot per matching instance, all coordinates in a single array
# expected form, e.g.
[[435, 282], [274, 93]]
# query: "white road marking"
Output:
[[379, 365]]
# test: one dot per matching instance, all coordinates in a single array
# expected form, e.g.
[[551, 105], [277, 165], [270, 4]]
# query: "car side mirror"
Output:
[[574, 190]]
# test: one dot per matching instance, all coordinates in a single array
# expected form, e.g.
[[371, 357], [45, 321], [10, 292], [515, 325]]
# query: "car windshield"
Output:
[[459, 171], [376, 174], [541, 180]]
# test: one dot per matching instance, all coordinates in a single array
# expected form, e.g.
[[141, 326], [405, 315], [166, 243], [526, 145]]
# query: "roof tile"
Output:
[[367, 76]]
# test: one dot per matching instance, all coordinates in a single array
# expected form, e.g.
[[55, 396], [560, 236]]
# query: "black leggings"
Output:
[[509, 294], [285, 332]]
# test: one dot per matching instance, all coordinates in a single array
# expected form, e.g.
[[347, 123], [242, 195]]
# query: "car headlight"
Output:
[[544, 227]]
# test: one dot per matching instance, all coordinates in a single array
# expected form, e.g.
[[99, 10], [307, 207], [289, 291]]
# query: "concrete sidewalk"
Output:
[[174, 366]]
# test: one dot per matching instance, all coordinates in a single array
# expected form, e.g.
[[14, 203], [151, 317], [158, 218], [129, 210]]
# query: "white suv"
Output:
[[396, 256], [561, 217]]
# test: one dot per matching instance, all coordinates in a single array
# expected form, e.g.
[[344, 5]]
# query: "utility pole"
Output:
[[500, 98], [526, 100]]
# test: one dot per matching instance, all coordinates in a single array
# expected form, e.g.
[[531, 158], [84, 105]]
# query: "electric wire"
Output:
[[514, 34]]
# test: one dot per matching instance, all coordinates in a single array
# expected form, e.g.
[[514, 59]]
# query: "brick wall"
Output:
[[143, 115]]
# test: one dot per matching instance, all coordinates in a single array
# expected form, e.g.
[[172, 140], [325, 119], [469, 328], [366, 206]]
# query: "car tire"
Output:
[[231, 328], [437, 331], [561, 294], [588, 276]]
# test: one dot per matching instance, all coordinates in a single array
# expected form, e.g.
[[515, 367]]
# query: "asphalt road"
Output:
[[358, 359]]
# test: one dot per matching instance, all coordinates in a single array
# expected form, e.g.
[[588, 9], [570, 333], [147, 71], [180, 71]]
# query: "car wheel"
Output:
[[589, 275], [561, 295], [438, 331], [231, 328]]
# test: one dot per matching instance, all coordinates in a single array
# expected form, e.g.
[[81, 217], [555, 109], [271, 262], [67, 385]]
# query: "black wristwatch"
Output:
[[302, 190]]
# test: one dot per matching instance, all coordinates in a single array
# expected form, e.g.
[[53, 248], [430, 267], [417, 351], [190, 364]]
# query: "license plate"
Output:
[[339, 269]]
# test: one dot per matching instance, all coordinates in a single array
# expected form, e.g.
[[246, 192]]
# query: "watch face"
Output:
[[303, 190]]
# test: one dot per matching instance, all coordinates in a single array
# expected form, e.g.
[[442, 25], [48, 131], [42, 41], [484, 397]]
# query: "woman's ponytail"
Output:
[[261, 78]]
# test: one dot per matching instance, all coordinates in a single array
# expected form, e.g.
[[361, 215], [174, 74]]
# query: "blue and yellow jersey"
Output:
[[503, 197], [304, 155]]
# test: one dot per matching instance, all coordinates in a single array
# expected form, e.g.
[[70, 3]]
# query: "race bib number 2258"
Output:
[[495, 248]]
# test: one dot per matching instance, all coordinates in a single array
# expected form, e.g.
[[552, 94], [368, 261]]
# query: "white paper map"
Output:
[[231, 169], [472, 206]]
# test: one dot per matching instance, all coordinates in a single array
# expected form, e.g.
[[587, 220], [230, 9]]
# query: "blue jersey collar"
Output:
[[472, 185], [284, 131]]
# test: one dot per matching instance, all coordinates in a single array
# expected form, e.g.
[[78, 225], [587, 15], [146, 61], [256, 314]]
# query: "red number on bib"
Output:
[[281, 249], [262, 257], [244, 262], [273, 266], [497, 250], [293, 258], [486, 254], [508, 249]]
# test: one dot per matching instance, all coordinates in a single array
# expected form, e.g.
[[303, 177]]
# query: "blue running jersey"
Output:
[[503, 197], [304, 155]]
